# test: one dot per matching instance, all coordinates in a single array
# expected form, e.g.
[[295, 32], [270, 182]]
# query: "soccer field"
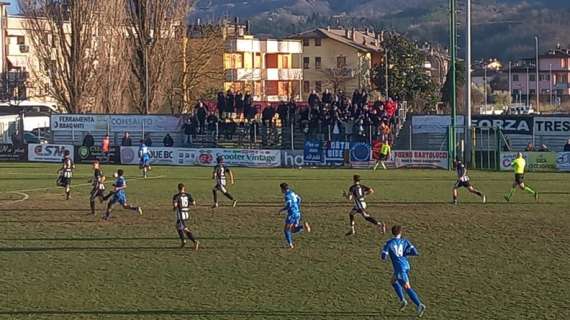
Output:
[[495, 261]]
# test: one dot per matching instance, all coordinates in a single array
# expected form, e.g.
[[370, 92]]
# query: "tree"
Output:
[[154, 48], [203, 70], [338, 77], [459, 82], [61, 33], [407, 77]]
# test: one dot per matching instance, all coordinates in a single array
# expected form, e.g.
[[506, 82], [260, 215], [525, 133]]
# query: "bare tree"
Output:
[[338, 77], [203, 62], [154, 47], [62, 34]]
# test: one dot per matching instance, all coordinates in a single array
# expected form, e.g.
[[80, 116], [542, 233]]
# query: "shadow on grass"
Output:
[[234, 313], [137, 238]]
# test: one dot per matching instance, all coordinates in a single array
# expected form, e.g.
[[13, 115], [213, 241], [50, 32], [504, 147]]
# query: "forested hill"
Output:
[[502, 28]]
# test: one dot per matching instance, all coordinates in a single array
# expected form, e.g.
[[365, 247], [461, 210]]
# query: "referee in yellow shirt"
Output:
[[519, 165]]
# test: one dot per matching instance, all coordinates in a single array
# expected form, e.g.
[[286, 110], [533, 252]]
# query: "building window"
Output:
[[306, 62], [532, 77], [318, 63], [285, 62], [318, 86], [562, 79], [515, 77], [20, 40], [340, 62], [544, 91], [532, 92], [559, 92], [544, 77], [306, 42], [306, 86], [516, 92], [317, 42]]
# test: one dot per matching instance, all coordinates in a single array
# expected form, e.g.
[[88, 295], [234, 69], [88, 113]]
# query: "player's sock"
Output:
[[414, 296], [180, 235], [92, 205], [399, 290], [371, 220], [298, 228], [289, 237], [190, 236], [215, 193], [229, 196], [376, 165], [529, 190], [477, 192], [510, 195]]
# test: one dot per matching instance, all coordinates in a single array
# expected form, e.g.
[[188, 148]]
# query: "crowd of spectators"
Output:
[[336, 116]]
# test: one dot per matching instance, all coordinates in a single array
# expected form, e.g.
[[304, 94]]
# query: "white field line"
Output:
[[73, 186], [25, 197]]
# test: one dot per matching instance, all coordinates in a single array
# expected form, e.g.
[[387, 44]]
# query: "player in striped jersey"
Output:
[[357, 193], [463, 181], [181, 203], [98, 182], [66, 173], [220, 174]]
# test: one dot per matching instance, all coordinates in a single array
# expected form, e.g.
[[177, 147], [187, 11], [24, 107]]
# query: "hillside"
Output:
[[502, 28]]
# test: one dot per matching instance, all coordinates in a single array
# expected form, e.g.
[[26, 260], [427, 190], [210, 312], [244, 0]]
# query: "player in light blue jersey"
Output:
[[293, 209], [119, 196], [399, 249], [144, 158]]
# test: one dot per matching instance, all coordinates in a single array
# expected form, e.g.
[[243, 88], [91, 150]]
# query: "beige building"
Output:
[[339, 59], [21, 74], [269, 69]]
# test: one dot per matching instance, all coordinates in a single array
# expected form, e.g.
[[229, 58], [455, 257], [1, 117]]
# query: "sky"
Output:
[[13, 6]]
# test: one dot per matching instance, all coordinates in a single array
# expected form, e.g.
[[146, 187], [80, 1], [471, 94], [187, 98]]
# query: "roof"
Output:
[[363, 41]]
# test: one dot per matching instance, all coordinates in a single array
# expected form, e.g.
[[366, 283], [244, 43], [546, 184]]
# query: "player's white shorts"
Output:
[[221, 187], [360, 207]]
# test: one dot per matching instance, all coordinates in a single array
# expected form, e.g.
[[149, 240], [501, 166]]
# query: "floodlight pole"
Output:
[[453, 98], [468, 142]]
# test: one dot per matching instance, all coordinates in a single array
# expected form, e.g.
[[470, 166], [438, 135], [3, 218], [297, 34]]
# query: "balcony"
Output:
[[283, 74], [282, 46], [243, 45], [243, 74]]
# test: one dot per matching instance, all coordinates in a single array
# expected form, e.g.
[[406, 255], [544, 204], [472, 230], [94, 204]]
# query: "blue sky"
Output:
[[13, 6]]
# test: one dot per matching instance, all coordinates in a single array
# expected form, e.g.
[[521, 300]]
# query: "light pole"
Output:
[[537, 65], [453, 95], [511, 81], [386, 75], [527, 87], [468, 84], [550, 82]]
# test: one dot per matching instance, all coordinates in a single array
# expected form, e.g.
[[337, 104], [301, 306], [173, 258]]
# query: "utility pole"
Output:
[[468, 146], [550, 82], [511, 81], [386, 75], [453, 104], [527, 87], [537, 64]]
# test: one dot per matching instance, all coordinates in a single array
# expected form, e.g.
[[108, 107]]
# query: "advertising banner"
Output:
[[552, 126], [292, 158], [79, 122], [115, 123], [508, 124], [421, 159], [89, 154], [9, 153], [239, 157], [48, 152], [360, 155], [313, 152], [563, 161], [433, 124], [122, 123], [535, 161], [334, 153], [158, 155]]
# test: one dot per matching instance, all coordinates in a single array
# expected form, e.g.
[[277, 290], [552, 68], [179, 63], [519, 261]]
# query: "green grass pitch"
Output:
[[495, 261]]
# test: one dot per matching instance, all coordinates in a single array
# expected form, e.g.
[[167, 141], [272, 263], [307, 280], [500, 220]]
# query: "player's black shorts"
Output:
[[97, 192], [383, 157], [462, 184], [181, 224], [64, 182], [519, 178]]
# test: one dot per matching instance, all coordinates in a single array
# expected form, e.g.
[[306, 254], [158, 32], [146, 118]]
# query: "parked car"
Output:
[[29, 137]]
